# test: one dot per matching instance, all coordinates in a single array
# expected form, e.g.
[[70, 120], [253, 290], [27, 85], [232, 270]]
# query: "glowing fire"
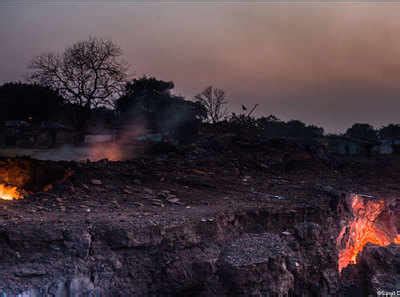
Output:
[[366, 227], [111, 151], [119, 149], [9, 192]]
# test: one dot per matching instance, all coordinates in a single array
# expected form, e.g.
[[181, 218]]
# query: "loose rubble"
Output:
[[233, 219]]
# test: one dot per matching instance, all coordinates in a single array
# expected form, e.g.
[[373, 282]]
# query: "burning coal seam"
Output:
[[9, 192], [372, 222], [21, 177]]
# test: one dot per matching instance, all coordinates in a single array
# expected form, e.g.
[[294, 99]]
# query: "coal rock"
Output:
[[377, 272], [257, 266]]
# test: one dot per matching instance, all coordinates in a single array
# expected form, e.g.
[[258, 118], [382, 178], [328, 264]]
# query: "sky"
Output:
[[327, 64]]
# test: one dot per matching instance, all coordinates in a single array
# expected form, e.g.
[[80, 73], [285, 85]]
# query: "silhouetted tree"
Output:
[[29, 102], [299, 129], [362, 131], [275, 128], [390, 131], [214, 102], [144, 95], [149, 100], [88, 74]]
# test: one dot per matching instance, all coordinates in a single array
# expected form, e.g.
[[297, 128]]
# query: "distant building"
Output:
[[389, 146], [344, 145], [45, 134], [15, 132], [56, 134]]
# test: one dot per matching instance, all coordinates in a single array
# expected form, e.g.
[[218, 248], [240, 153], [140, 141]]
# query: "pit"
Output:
[[167, 227]]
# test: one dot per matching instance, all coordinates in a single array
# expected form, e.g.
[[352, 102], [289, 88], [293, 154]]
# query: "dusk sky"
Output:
[[326, 64]]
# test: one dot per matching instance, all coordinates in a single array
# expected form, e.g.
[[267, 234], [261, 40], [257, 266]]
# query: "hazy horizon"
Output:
[[326, 64]]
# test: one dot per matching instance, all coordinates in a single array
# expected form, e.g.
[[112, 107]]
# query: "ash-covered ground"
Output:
[[222, 217]]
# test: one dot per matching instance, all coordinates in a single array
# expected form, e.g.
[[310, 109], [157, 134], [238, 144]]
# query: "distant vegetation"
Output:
[[362, 131], [32, 102], [150, 101], [214, 102], [89, 80], [89, 74]]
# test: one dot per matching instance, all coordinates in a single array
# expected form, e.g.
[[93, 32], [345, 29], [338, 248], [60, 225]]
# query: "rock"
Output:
[[329, 190], [96, 182], [148, 191], [29, 272], [164, 194], [174, 200], [377, 270], [308, 232], [80, 286], [78, 242], [120, 238], [58, 288], [117, 264], [157, 203], [277, 197], [256, 266], [29, 293], [127, 191]]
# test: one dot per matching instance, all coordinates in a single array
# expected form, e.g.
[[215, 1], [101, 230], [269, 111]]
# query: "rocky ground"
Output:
[[225, 217]]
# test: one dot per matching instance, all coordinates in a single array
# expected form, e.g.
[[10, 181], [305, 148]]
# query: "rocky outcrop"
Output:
[[376, 273], [243, 252], [257, 266]]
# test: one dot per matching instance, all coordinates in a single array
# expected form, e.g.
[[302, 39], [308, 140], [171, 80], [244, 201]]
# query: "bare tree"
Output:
[[214, 101], [89, 73]]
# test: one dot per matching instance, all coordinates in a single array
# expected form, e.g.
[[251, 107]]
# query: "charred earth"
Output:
[[224, 217]]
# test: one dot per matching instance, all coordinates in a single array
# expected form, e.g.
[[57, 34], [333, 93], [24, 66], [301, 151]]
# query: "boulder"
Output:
[[256, 265]]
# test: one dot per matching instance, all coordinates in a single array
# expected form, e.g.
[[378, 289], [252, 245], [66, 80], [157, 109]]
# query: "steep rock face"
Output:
[[254, 252], [377, 270], [368, 246]]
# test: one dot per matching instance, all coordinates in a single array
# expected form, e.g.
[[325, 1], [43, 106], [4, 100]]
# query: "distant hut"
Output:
[[52, 134], [344, 145], [389, 146], [17, 133]]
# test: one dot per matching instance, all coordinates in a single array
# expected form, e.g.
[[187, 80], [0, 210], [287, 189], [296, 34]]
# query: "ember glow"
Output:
[[370, 225], [111, 151], [124, 147], [9, 192]]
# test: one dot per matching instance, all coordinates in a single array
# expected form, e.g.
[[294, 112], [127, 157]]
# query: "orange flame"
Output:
[[9, 192], [364, 229]]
